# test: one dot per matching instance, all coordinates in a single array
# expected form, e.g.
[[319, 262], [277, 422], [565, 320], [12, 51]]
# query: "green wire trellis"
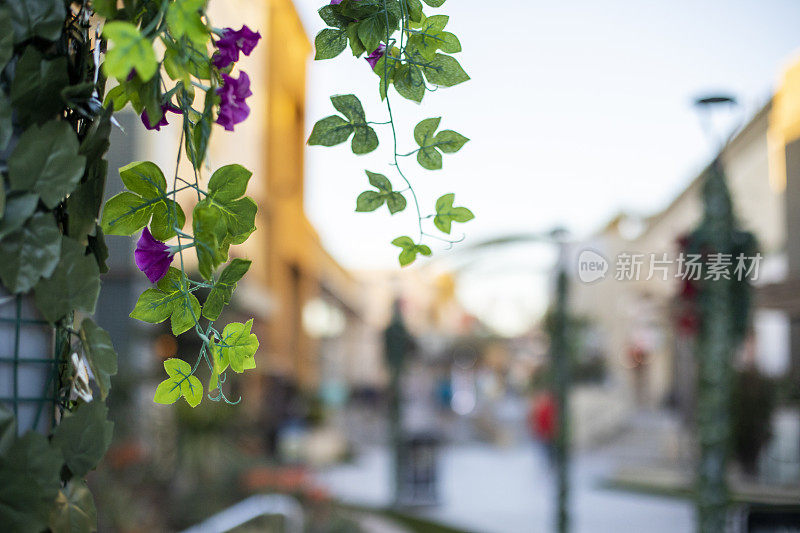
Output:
[[16, 362]]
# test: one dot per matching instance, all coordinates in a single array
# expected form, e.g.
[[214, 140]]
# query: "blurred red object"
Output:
[[125, 454], [542, 417]]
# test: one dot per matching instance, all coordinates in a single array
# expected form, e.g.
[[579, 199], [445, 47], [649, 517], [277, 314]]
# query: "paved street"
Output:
[[508, 490]]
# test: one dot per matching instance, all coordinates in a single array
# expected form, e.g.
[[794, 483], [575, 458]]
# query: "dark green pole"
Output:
[[715, 357], [561, 375], [397, 344]]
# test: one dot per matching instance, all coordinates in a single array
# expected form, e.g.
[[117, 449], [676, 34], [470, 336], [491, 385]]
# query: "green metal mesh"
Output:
[[28, 364]]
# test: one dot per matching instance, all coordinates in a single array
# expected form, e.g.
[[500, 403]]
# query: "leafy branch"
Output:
[[413, 64]]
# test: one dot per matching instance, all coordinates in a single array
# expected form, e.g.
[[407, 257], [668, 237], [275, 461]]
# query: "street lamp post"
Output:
[[723, 312], [561, 370], [398, 343], [559, 355]]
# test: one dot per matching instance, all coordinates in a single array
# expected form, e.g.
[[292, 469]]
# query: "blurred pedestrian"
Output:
[[542, 423]]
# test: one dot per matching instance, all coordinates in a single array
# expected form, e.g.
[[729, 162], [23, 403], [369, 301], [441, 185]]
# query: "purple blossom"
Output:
[[152, 256], [232, 42], [336, 2], [232, 107], [163, 122], [375, 56]]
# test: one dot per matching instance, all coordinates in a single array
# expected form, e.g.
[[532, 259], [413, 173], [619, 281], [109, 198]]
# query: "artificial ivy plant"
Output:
[[165, 60], [413, 53]]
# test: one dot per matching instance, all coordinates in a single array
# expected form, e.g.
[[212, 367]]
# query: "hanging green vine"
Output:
[[55, 121], [411, 62], [198, 60]]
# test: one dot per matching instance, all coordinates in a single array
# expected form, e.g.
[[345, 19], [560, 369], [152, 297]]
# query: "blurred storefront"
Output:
[[650, 355]]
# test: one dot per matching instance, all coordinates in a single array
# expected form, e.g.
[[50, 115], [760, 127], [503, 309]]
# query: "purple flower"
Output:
[[163, 122], [152, 256], [336, 2], [232, 108], [232, 42], [373, 58]]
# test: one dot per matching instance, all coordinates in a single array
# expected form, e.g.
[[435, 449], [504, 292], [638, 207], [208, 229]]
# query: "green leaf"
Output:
[[238, 346], [355, 43], [96, 143], [83, 436], [125, 214], [40, 18], [409, 83], [396, 202], [181, 382], [429, 158], [83, 205], [183, 60], [329, 43], [184, 18], [434, 3], [210, 231], [350, 106], [151, 98], [369, 201], [431, 37], [334, 130], [128, 212], [445, 71], [97, 245], [99, 352], [171, 298], [447, 141], [6, 37], [128, 91], [29, 252], [74, 509], [36, 81], [330, 131], [197, 141], [409, 250], [446, 213], [46, 161], [130, 51], [372, 200], [425, 129], [332, 18], [222, 291], [73, 285], [225, 187], [365, 140], [18, 209], [153, 306], [29, 482], [371, 31], [105, 8], [414, 10]]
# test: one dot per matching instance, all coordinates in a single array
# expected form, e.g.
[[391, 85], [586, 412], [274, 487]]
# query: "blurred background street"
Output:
[[459, 431]]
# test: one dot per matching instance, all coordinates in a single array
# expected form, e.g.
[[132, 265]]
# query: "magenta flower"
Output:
[[373, 58], [163, 122], [232, 42], [232, 108], [152, 256]]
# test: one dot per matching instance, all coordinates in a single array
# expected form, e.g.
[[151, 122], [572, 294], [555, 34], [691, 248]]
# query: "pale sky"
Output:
[[575, 111]]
